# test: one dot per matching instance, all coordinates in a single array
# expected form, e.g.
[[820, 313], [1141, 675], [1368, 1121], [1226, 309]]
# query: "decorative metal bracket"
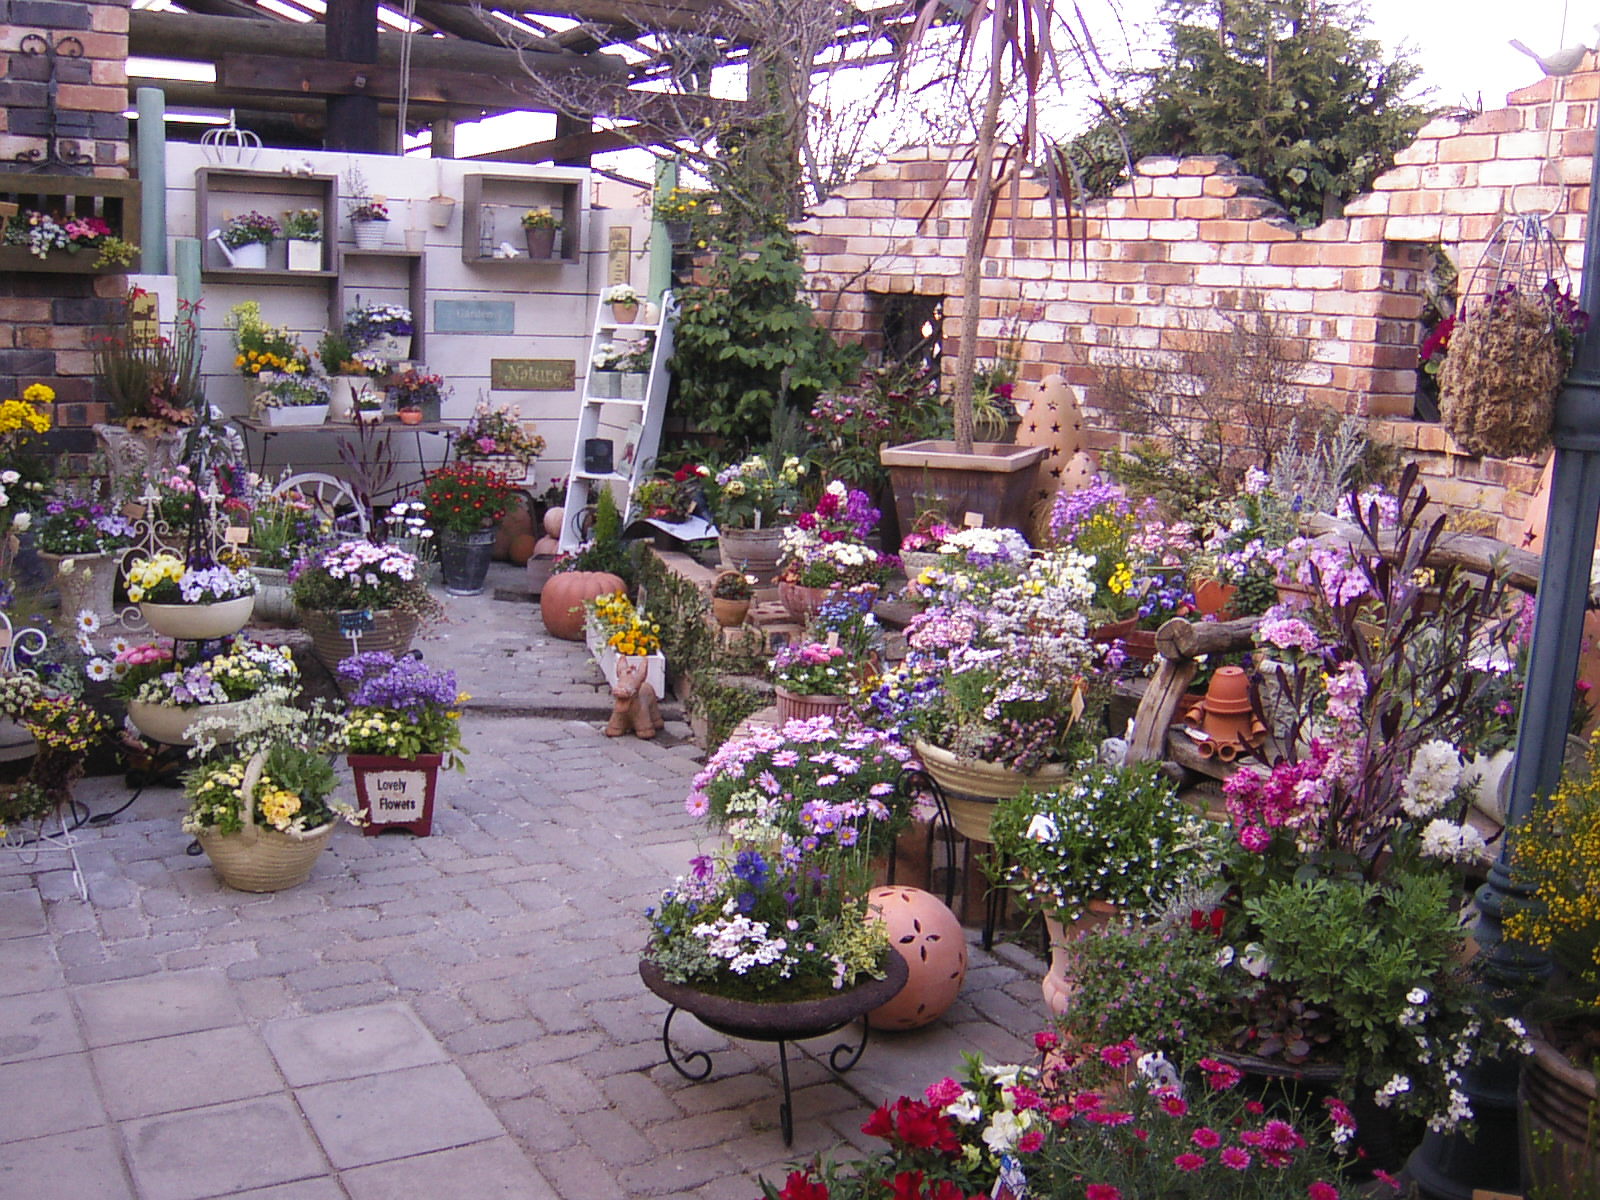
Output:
[[33, 45]]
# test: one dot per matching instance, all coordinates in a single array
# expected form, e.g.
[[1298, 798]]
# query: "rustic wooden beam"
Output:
[[1469, 551], [471, 25], [206, 39], [272, 75], [350, 36], [186, 93], [599, 141]]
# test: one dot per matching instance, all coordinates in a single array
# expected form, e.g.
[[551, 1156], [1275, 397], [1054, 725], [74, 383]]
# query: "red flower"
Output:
[[1206, 1138], [1102, 1191], [879, 1124], [1045, 1041], [1235, 1159], [800, 1186], [907, 1186], [1188, 1161], [1322, 1191], [1031, 1141], [1174, 1106]]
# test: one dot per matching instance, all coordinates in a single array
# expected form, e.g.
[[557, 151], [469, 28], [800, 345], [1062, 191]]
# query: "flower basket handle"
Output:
[[250, 831]]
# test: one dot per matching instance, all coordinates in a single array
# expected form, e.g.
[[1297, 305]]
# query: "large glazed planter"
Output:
[[464, 561], [778, 1020], [258, 859], [1558, 1107], [796, 706], [169, 723], [199, 621], [972, 787], [995, 480], [392, 630], [396, 793], [754, 551]]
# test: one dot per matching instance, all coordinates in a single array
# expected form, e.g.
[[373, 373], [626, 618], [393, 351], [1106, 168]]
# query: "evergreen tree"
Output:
[[1291, 89]]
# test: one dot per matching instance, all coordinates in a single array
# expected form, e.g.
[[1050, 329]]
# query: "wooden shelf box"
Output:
[[114, 201], [492, 213], [223, 192]]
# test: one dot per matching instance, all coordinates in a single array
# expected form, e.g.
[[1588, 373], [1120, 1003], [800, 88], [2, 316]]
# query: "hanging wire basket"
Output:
[[229, 146], [1512, 343]]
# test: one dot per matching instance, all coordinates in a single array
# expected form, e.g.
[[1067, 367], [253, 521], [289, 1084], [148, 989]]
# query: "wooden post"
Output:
[[570, 126], [351, 33], [443, 144]]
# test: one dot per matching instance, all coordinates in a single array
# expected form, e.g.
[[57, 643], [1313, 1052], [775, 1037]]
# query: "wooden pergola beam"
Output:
[[269, 74], [597, 141], [185, 94]]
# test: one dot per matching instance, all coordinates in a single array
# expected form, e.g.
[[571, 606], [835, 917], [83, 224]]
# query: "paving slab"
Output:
[[172, 1002], [495, 1170], [351, 1042], [221, 1150], [21, 914], [398, 1114], [29, 965], [188, 1070], [48, 1095], [66, 1166], [36, 1025]]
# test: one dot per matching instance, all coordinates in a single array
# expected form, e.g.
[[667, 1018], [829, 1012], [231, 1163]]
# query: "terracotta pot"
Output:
[[624, 314], [410, 416], [1114, 631], [552, 521], [1229, 691], [392, 630], [971, 787], [561, 601], [795, 706], [396, 793], [801, 603], [1212, 597], [1558, 1103], [926, 934], [521, 549], [730, 614], [754, 551], [199, 621], [1057, 984]]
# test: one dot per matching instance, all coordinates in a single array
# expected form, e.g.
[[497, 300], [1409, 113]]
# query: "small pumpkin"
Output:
[[521, 549], [561, 601]]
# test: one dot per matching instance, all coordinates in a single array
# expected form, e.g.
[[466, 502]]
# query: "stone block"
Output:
[[177, 1002], [55, 1095], [221, 1150], [342, 1045], [65, 1166], [498, 1170], [397, 1114], [193, 1070]]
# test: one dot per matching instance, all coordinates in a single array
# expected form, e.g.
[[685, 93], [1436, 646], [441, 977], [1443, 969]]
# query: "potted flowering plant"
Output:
[[290, 399], [202, 599], [1003, 695], [614, 628], [64, 730], [540, 225], [1110, 840], [661, 499], [496, 437], [677, 209], [261, 347], [812, 680], [420, 393], [462, 502], [262, 813], [358, 596], [605, 371], [1076, 1124], [624, 302], [971, 563], [302, 233], [167, 692], [1235, 571], [369, 217], [383, 330], [749, 502], [404, 723], [731, 595], [45, 233], [80, 537], [245, 239], [826, 549]]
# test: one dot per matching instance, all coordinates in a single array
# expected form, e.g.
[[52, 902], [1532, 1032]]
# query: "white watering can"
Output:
[[252, 256]]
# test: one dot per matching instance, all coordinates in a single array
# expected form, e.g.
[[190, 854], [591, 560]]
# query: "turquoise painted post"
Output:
[[660, 243], [152, 103], [186, 266]]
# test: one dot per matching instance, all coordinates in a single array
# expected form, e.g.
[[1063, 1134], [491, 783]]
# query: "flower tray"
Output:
[[299, 414]]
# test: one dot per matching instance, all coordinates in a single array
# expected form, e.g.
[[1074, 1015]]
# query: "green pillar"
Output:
[[660, 243], [186, 266], [152, 104]]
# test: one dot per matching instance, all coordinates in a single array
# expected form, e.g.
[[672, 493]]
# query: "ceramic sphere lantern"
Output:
[[925, 933], [561, 600]]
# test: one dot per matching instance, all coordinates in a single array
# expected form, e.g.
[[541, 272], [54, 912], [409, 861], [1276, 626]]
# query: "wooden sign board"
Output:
[[619, 253], [146, 317], [532, 374], [474, 316]]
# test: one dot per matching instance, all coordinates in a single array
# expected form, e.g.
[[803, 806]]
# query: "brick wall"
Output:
[[46, 319], [1186, 236]]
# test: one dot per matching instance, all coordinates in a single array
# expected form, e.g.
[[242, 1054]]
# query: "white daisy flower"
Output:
[[120, 645], [98, 669], [85, 646], [87, 621]]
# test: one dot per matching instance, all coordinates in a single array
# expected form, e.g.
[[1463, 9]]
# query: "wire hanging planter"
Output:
[[1511, 344]]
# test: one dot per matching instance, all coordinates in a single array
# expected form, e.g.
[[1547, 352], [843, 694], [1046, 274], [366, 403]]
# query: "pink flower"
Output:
[[1025, 1098], [1206, 1138], [1174, 1106], [1119, 1055], [1220, 1076], [1061, 1114], [944, 1093], [1322, 1191], [1234, 1158], [1255, 839], [698, 804], [1189, 1162], [1030, 1142], [1102, 1191], [1044, 1041], [1280, 1135]]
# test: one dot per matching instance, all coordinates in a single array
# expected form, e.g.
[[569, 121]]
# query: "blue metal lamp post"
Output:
[[1448, 1167]]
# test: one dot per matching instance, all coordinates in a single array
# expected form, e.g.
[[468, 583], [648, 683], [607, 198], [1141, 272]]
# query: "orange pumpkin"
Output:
[[561, 601], [521, 549]]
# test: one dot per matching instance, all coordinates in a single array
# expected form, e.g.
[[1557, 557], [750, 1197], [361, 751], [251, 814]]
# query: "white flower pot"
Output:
[[633, 385], [390, 347], [250, 258], [304, 256], [169, 723], [197, 621], [370, 235], [298, 414]]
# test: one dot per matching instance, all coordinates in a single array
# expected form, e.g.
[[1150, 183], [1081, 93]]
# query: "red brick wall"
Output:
[[1186, 236]]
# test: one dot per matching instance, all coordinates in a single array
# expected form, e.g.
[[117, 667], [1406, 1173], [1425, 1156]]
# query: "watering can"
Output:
[[252, 256]]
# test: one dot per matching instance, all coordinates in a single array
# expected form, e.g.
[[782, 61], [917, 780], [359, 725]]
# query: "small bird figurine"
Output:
[[1562, 62]]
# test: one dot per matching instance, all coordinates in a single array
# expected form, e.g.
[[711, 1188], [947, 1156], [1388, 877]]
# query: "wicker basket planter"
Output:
[[391, 630], [259, 858]]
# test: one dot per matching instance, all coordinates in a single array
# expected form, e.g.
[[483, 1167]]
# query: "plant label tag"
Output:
[[236, 535], [354, 621], [394, 797], [1011, 1184], [973, 520], [833, 639], [5, 637]]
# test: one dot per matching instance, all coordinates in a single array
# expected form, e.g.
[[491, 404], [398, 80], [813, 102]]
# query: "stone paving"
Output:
[[424, 1018]]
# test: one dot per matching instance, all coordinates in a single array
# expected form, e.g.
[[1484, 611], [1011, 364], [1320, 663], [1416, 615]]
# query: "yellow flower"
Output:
[[39, 393]]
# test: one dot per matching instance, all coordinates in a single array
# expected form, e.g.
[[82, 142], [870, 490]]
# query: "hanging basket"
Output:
[[1500, 378]]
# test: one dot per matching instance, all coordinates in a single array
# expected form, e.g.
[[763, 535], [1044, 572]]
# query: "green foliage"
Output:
[[1291, 89], [605, 550], [747, 343]]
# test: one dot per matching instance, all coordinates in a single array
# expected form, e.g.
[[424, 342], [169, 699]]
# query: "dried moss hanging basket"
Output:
[[1501, 376]]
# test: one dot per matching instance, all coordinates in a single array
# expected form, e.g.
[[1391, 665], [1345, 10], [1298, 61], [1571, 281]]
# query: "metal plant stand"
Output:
[[780, 1022], [61, 840]]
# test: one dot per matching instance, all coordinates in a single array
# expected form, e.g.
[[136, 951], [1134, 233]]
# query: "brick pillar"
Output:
[[47, 320]]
